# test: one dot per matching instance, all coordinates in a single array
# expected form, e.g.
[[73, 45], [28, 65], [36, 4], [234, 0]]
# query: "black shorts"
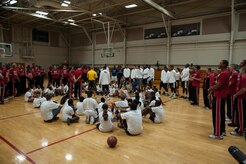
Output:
[[92, 85], [185, 84], [172, 85]]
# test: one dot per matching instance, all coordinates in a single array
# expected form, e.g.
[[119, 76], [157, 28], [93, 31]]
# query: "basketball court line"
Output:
[[17, 150], [20, 115], [62, 140]]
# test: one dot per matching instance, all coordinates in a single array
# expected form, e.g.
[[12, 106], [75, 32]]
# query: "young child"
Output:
[[38, 100], [105, 119], [49, 109], [68, 114], [90, 107], [156, 112], [79, 106], [100, 109], [132, 120], [28, 96]]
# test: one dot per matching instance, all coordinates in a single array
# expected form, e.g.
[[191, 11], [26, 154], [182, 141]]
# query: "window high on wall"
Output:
[[40, 36]]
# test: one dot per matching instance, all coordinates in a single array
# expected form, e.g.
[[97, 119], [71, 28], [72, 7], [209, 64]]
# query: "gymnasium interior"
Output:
[[127, 33]]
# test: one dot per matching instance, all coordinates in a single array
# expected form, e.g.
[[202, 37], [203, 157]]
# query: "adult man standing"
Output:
[[104, 80], [219, 90]]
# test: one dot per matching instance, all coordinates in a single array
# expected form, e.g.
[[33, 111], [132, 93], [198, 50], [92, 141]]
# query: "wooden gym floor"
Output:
[[182, 138]]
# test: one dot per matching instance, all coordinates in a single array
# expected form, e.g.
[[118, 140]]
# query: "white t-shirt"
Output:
[[126, 72], [152, 103], [121, 104], [133, 73], [177, 77], [185, 74], [157, 95], [104, 78], [80, 109], [172, 78], [134, 121], [27, 96], [146, 73], [38, 101], [100, 107], [67, 112], [46, 109], [106, 126], [159, 113], [90, 104]]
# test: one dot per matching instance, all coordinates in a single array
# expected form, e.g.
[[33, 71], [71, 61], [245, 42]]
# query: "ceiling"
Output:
[[112, 11]]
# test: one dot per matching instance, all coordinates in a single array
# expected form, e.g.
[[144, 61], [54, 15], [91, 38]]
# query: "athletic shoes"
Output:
[[212, 136], [234, 133], [91, 120]]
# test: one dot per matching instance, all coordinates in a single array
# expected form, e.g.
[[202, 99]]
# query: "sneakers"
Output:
[[212, 136], [87, 119], [91, 120], [234, 133]]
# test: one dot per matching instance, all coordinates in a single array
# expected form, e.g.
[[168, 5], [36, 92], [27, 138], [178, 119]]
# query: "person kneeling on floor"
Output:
[[50, 109], [68, 114], [156, 112]]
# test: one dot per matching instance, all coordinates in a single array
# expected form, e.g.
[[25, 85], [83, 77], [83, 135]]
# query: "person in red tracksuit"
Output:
[[64, 73], [2, 87], [219, 90], [29, 76], [71, 81], [231, 91], [55, 76], [208, 82], [16, 81], [240, 100], [78, 83], [195, 78], [22, 78]]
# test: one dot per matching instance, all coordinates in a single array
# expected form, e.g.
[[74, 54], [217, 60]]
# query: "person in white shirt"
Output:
[[49, 90], [105, 120], [28, 96], [139, 75], [145, 76], [79, 106], [100, 109], [151, 77], [172, 82], [104, 80], [68, 114], [133, 74], [185, 80], [164, 80], [49, 109], [122, 104], [90, 107], [38, 100], [156, 112], [132, 120], [127, 73]]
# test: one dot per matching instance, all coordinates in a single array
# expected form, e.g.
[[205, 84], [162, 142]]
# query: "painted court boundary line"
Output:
[[17, 150], [62, 140], [4, 118]]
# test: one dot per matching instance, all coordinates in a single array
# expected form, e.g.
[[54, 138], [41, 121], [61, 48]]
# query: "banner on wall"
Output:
[[155, 33], [185, 30]]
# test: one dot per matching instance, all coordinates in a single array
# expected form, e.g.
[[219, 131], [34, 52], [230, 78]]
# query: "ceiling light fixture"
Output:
[[71, 20], [67, 2], [64, 5], [41, 13], [94, 15], [100, 13], [12, 2], [131, 6]]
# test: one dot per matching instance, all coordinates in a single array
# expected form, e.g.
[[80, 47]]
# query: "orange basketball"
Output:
[[112, 141]]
